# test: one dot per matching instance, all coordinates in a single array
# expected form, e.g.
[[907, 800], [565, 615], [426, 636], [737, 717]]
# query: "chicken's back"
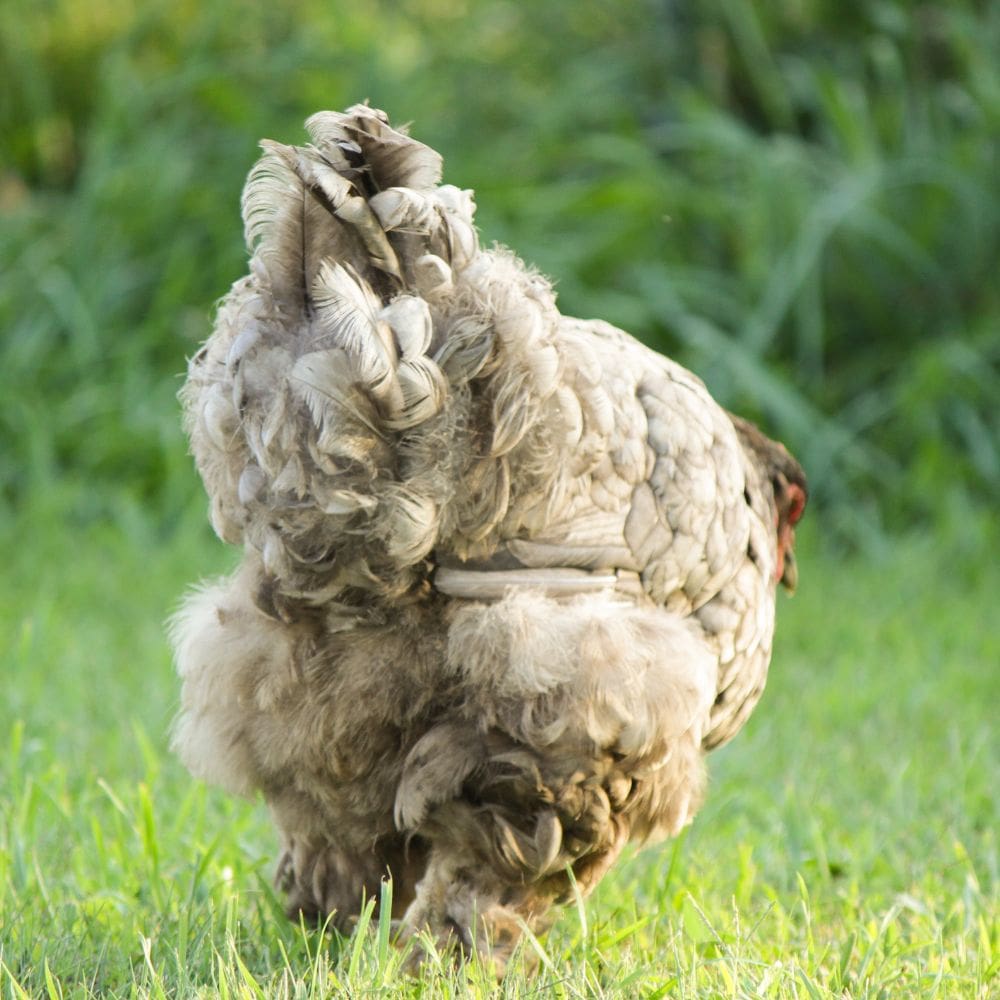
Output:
[[507, 574]]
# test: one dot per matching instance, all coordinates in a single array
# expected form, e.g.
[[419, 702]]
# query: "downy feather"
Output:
[[507, 575]]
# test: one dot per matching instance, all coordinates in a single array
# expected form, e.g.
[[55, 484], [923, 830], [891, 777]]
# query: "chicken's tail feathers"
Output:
[[362, 193], [330, 412]]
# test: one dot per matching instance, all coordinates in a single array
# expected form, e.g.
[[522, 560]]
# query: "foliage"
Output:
[[797, 199]]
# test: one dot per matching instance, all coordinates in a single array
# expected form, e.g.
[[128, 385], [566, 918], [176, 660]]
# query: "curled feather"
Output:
[[347, 312], [432, 276], [411, 524], [424, 390], [410, 321], [395, 160], [404, 208]]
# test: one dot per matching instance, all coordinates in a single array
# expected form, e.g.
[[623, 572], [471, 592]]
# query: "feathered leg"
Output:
[[467, 904], [580, 727], [326, 876], [463, 906]]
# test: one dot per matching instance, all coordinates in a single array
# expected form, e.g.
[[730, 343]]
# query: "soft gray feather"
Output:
[[506, 575]]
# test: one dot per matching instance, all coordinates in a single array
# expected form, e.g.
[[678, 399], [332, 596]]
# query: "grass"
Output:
[[848, 846]]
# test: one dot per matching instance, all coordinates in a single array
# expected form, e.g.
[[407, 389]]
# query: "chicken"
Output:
[[506, 575]]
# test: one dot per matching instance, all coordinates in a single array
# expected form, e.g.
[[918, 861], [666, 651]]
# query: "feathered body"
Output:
[[507, 575]]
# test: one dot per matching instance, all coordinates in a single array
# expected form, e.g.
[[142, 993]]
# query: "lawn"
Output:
[[848, 846]]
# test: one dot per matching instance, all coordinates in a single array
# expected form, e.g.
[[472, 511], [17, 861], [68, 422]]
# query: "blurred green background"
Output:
[[797, 199]]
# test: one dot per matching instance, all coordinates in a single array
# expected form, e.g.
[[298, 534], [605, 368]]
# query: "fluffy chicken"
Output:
[[507, 576]]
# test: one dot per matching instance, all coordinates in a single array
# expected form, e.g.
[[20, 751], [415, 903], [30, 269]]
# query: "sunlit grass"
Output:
[[847, 847]]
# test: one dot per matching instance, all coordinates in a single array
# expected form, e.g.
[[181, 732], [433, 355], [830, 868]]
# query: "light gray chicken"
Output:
[[506, 576]]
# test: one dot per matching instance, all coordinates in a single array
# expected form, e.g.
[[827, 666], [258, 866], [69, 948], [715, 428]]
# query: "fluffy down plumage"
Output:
[[507, 575]]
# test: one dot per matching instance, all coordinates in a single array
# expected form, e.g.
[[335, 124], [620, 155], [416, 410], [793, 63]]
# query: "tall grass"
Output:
[[847, 847], [798, 200]]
